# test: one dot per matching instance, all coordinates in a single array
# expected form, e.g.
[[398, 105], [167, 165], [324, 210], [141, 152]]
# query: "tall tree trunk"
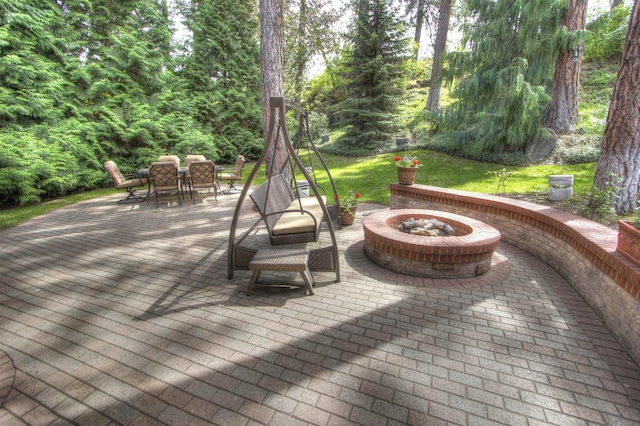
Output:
[[301, 55], [620, 154], [433, 101], [419, 22], [272, 67], [563, 110]]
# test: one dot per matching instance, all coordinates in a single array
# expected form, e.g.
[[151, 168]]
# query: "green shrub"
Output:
[[608, 33], [586, 152]]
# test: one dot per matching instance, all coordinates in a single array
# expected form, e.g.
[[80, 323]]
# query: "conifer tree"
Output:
[[124, 72], [376, 60], [502, 78], [620, 152], [32, 61], [224, 73]]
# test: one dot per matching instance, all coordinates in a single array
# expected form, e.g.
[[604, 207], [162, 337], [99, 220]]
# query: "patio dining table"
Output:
[[182, 170]]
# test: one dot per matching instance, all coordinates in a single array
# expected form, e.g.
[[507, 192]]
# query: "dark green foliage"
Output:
[[608, 33], [31, 63], [501, 81], [83, 81], [224, 74], [376, 62], [45, 161]]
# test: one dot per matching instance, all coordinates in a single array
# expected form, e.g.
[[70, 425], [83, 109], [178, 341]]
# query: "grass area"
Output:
[[370, 176]]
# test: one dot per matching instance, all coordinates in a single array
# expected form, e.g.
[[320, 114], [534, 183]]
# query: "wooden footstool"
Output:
[[281, 260]]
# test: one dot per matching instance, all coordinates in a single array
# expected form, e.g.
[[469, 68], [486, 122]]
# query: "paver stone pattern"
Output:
[[123, 314]]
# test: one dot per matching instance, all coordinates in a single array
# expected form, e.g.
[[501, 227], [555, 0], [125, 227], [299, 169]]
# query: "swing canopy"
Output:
[[292, 206]]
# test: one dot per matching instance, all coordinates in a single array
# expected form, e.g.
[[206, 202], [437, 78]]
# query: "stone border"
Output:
[[582, 251]]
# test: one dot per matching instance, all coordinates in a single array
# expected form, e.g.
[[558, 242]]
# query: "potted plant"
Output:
[[348, 206], [629, 238], [407, 168]]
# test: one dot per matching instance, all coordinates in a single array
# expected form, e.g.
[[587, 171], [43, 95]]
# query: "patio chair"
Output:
[[125, 181], [165, 178], [202, 175], [169, 158], [234, 176], [186, 176], [191, 158]]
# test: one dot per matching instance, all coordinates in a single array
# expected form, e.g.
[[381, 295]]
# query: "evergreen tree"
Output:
[[224, 74], [439, 47], [377, 58], [563, 109], [32, 62], [123, 73], [310, 29], [502, 79], [620, 152]]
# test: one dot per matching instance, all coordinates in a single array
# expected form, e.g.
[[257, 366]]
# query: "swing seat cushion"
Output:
[[294, 221], [282, 212]]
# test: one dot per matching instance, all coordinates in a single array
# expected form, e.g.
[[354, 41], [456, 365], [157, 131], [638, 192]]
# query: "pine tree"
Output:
[[439, 47], [620, 152], [32, 61], [377, 59], [224, 74], [501, 81]]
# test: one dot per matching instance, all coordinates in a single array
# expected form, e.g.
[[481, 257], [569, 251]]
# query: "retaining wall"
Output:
[[582, 251]]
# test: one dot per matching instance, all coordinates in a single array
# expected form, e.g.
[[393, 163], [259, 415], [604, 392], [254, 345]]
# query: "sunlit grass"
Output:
[[371, 176], [15, 215]]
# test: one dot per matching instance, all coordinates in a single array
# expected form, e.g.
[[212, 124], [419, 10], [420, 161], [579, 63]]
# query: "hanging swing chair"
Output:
[[292, 211]]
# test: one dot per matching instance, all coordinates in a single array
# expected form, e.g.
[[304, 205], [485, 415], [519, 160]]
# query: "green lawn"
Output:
[[370, 176]]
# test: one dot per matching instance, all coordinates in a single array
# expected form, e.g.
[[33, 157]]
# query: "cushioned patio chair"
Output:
[[165, 178], [169, 158], [234, 176], [186, 176], [125, 181], [202, 176], [191, 158]]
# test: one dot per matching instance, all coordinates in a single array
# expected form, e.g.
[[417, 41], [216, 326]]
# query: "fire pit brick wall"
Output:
[[582, 251]]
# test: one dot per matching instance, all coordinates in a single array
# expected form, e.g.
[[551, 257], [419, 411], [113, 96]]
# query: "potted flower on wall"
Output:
[[629, 238], [348, 206], [407, 168]]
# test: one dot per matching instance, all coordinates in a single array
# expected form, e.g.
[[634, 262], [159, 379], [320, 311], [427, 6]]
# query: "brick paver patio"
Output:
[[123, 314]]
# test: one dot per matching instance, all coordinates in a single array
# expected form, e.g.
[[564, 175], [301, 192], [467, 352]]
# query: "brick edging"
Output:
[[582, 251]]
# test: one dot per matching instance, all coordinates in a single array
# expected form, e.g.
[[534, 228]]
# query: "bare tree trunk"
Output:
[[419, 22], [620, 154], [301, 55], [272, 64], [433, 101], [563, 110]]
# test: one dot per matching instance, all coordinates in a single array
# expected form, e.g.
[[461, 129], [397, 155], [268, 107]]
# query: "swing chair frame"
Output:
[[323, 258]]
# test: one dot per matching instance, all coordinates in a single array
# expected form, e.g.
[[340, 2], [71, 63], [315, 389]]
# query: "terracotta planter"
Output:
[[347, 215], [407, 175], [629, 241]]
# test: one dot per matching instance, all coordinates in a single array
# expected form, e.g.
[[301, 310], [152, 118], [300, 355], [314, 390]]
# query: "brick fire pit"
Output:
[[466, 254]]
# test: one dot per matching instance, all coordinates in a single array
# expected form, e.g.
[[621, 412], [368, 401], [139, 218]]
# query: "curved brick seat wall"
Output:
[[582, 251]]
